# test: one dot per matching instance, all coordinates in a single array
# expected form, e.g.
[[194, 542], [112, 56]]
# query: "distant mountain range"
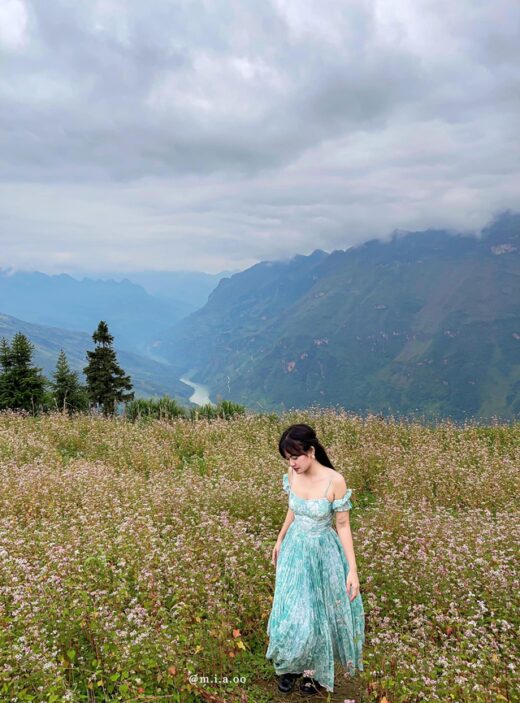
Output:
[[426, 324], [60, 311], [188, 288], [134, 313]]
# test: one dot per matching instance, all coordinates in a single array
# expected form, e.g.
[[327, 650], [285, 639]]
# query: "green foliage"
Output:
[[164, 408], [225, 409], [68, 394], [106, 380], [22, 386], [167, 408]]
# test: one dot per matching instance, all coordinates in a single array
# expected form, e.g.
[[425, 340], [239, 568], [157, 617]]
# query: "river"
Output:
[[200, 395]]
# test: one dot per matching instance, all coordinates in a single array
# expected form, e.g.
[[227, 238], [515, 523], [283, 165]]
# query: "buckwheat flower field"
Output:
[[135, 559]]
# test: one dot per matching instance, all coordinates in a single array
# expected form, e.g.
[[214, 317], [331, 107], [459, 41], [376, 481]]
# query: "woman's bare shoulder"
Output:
[[335, 474], [338, 482]]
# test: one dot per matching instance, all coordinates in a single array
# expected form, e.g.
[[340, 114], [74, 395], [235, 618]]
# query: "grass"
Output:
[[132, 555]]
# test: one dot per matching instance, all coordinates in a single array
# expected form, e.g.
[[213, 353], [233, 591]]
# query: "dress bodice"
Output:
[[314, 515]]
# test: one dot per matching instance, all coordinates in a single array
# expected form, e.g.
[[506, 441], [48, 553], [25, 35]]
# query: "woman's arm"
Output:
[[290, 514], [289, 518], [345, 537], [278, 545]]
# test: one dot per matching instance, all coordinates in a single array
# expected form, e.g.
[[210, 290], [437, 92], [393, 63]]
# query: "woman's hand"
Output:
[[352, 584], [276, 551]]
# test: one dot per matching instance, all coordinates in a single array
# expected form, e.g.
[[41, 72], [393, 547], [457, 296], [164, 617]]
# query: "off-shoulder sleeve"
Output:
[[343, 504], [286, 485]]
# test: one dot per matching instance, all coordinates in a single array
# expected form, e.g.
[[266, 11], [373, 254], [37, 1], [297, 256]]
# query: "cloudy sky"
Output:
[[210, 134]]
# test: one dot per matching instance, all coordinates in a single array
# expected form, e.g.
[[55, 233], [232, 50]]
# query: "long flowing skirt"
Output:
[[312, 622]]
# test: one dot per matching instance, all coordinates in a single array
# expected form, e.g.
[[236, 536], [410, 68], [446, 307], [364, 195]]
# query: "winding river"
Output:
[[200, 395]]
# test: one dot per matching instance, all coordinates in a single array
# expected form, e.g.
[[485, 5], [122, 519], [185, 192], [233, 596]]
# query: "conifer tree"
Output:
[[22, 386], [68, 393], [106, 380]]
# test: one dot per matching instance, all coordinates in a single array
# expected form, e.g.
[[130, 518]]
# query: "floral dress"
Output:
[[312, 622]]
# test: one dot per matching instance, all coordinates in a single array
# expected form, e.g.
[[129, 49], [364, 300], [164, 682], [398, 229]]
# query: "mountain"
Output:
[[149, 378], [132, 314], [236, 310], [427, 323]]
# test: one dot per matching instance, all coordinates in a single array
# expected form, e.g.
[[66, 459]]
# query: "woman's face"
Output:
[[299, 462]]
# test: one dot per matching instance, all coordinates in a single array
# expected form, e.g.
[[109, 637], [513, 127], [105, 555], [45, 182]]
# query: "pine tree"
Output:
[[106, 380], [22, 386], [68, 393]]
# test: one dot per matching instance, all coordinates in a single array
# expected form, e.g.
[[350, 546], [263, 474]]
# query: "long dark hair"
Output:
[[298, 439]]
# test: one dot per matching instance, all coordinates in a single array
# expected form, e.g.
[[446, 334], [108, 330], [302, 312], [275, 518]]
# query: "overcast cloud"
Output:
[[209, 135]]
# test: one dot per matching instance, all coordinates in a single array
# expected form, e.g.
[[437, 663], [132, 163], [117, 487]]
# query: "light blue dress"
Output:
[[313, 623]]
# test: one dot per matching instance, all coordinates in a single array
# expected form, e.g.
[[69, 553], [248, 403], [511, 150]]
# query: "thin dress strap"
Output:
[[327, 489]]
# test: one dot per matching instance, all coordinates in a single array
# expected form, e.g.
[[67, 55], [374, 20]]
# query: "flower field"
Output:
[[134, 556]]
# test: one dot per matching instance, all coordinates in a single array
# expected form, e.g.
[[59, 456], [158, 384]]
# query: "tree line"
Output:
[[24, 387]]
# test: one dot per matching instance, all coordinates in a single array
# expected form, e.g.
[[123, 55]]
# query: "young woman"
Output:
[[317, 614]]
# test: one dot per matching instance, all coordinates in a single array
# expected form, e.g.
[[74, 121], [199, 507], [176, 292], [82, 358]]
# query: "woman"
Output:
[[317, 614]]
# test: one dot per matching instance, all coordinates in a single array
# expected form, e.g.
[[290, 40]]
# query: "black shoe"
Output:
[[286, 682], [309, 686]]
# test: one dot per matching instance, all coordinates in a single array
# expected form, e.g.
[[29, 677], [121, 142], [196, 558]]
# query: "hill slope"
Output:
[[148, 377]]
